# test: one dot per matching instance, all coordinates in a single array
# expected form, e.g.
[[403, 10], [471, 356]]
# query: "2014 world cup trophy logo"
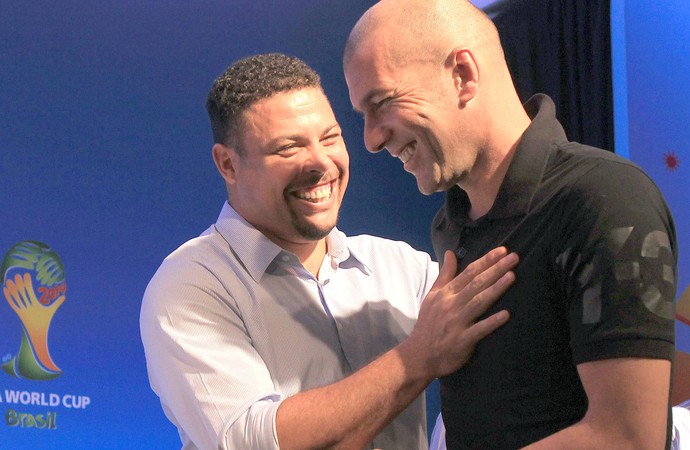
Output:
[[34, 286]]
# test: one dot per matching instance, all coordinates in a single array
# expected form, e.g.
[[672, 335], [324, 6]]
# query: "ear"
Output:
[[465, 74], [226, 159]]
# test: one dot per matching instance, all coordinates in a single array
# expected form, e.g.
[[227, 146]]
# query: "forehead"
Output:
[[290, 100], [289, 113], [369, 73]]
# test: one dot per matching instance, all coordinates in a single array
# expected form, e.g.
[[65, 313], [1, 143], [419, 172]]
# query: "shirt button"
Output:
[[461, 252], [286, 258]]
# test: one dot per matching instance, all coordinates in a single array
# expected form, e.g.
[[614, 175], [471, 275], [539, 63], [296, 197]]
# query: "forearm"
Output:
[[350, 413]]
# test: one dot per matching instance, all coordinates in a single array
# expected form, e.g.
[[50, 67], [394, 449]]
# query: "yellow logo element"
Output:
[[31, 267]]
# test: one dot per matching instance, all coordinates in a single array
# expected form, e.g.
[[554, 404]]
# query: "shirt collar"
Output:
[[526, 168], [529, 160], [257, 252], [342, 254]]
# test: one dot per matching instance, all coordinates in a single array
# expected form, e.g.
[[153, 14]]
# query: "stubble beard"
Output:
[[308, 230], [311, 231]]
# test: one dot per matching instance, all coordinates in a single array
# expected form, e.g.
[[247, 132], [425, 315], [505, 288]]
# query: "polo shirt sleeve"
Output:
[[619, 266], [219, 396]]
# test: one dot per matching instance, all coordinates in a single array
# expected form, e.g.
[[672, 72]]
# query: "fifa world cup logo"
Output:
[[34, 287]]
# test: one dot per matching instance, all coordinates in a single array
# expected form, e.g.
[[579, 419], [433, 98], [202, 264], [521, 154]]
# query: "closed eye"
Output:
[[288, 149], [382, 104], [331, 139]]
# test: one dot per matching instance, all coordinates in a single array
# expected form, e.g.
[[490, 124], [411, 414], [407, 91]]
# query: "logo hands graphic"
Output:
[[35, 316], [34, 286]]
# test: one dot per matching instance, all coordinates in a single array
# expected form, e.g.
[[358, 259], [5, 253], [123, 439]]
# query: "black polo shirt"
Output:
[[596, 280]]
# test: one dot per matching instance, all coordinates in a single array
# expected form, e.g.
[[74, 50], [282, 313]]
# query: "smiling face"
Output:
[[412, 111], [292, 174]]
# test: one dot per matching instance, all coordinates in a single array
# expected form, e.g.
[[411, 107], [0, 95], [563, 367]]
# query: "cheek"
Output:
[[262, 186], [343, 184], [340, 157], [344, 166], [275, 176], [343, 161]]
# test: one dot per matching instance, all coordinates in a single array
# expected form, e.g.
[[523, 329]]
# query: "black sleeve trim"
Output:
[[624, 348]]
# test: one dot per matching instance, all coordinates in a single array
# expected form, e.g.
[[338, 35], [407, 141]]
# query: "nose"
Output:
[[374, 135], [318, 158]]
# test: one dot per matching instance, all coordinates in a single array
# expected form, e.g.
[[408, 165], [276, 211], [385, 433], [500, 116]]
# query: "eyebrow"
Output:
[[298, 137], [366, 101], [331, 128]]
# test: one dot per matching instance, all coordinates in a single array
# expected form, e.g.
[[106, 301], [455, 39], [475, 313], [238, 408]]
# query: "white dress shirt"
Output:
[[232, 325], [681, 426]]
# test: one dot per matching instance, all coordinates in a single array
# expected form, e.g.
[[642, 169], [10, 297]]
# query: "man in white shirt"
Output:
[[273, 329]]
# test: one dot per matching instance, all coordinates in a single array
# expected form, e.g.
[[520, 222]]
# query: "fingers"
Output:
[[485, 327], [478, 287], [485, 272], [484, 263], [9, 296], [450, 264], [25, 290], [60, 300], [448, 326], [20, 293], [12, 293], [480, 302], [29, 288]]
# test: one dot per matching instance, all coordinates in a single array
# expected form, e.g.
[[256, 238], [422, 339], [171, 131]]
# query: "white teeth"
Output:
[[406, 154], [323, 192]]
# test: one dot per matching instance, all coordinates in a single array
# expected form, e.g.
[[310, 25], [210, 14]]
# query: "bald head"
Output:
[[421, 30], [431, 82]]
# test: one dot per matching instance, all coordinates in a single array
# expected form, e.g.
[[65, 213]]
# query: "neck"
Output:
[[492, 165], [310, 253], [482, 192], [312, 260]]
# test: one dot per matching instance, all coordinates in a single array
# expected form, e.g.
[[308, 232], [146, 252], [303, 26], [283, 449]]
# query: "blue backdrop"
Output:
[[106, 159], [651, 95]]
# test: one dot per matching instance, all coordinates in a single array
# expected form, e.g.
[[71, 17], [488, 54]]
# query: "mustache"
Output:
[[314, 179]]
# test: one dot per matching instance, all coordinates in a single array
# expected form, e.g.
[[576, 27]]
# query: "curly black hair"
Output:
[[247, 81]]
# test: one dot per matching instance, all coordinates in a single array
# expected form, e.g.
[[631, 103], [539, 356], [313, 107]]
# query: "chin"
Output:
[[313, 231], [427, 190]]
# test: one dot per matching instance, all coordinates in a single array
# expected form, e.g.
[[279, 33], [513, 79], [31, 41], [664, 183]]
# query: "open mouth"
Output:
[[406, 153], [316, 194]]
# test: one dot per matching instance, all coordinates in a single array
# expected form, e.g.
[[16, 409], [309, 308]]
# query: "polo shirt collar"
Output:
[[257, 252], [526, 168]]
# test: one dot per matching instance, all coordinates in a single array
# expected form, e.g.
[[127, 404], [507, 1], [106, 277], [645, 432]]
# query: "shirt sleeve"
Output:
[[218, 396], [620, 266], [416, 265], [432, 269]]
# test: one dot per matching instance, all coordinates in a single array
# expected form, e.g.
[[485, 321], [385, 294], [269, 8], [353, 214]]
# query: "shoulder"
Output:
[[392, 258], [398, 271], [589, 167], [199, 254], [371, 245], [190, 273], [599, 180], [382, 254]]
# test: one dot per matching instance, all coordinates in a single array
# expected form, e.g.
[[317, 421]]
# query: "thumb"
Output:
[[447, 272], [56, 304]]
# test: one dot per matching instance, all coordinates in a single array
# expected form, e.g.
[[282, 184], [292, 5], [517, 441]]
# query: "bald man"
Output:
[[585, 361]]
